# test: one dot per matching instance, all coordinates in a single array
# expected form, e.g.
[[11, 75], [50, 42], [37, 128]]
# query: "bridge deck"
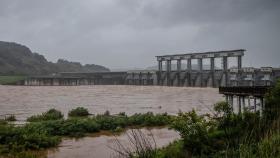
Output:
[[258, 91]]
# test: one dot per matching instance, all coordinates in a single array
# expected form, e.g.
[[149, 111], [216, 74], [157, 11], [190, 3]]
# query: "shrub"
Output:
[[10, 118], [174, 149], [51, 114], [149, 119], [109, 122], [17, 139], [45, 130], [272, 105], [3, 122], [197, 133], [78, 127], [78, 112], [222, 108]]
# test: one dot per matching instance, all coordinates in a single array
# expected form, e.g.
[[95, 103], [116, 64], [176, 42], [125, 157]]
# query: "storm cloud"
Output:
[[130, 33]]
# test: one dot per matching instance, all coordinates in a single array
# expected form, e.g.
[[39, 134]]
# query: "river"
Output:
[[24, 101]]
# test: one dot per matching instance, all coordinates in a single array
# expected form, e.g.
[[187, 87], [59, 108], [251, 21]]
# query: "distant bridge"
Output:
[[239, 76]]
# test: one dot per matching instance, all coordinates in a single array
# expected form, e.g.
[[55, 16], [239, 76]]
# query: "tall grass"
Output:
[[140, 145]]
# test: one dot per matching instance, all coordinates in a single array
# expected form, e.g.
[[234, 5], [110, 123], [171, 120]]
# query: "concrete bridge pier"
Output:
[[200, 67], [168, 72], [189, 70], [159, 72], [178, 72], [212, 68], [256, 93], [225, 73]]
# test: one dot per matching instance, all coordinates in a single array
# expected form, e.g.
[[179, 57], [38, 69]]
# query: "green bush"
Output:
[[198, 134], [173, 150], [78, 112], [51, 114], [149, 119], [3, 122], [45, 130], [14, 140]]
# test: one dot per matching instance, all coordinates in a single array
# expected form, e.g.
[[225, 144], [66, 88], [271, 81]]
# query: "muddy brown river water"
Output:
[[103, 146], [24, 101]]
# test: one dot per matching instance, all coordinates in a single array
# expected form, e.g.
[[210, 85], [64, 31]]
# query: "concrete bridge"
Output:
[[200, 77], [190, 77], [241, 98]]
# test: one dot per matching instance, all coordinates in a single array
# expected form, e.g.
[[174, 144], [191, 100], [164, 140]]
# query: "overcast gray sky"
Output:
[[130, 33]]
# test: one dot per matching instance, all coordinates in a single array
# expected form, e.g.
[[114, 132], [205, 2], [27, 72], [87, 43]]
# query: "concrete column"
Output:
[[261, 106], [239, 104], [225, 63], [160, 66], [227, 98], [231, 102], [189, 65], [168, 71], [200, 68], [249, 103], [225, 69], [189, 70], [243, 103], [212, 69], [200, 65], [179, 71], [239, 66], [239, 62], [179, 65], [159, 72], [255, 104]]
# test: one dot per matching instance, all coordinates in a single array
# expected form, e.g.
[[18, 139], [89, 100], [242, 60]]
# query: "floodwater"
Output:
[[24, 101], [104, 146]]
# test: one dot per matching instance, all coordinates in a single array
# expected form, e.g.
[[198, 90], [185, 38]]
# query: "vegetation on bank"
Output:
[[51, 114], [10, 118], [45, 130], [226, 134], [223, 134], [10, 80], [78, 112]]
